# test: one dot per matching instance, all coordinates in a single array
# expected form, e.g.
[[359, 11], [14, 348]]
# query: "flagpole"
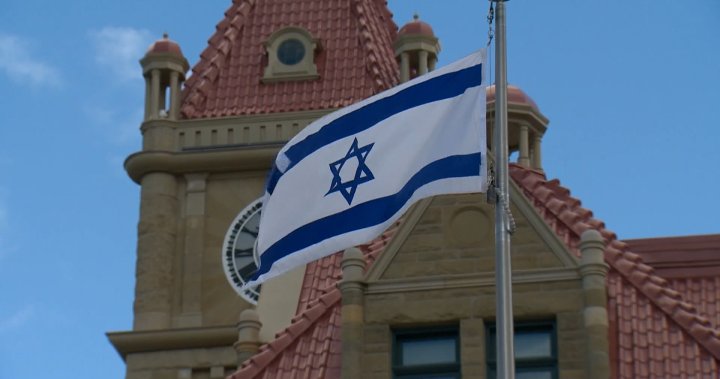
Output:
[[503, 271]]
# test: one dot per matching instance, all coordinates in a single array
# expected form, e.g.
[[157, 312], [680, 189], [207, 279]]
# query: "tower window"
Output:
[[426, 353]]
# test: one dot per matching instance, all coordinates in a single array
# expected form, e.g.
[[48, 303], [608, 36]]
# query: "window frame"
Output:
[[427, 370], [524, 364]]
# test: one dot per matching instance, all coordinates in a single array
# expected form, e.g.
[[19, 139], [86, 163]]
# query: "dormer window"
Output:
[[291, 56]]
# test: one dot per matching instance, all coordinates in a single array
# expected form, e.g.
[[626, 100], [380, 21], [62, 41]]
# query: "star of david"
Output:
[[362, 172]]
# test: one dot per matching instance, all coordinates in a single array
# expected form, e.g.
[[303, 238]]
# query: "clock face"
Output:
[[239, 256]]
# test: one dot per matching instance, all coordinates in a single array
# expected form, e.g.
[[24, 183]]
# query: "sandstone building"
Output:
[[419, 300]]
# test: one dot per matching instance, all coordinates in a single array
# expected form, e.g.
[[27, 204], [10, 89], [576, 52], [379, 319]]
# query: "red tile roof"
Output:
[[310, 347], [415, 27], [691, 264], [355, 60], [325, 273], [655, 332], [165, 45], [647, 342], [680, 257], [515, 95], [704, 293]]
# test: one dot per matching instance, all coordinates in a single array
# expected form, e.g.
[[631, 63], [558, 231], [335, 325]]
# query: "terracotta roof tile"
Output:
[[649, 343], [655, 331], [704, 292], [311, 347], [643, 307], [355, 60], [691, 265], [303, 349]]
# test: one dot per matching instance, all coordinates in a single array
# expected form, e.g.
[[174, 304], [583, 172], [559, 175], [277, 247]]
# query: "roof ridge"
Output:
[[383, 80], [206, 71], [628, 264], [313, 311], [300, 324], [354, 59], [660, 292]]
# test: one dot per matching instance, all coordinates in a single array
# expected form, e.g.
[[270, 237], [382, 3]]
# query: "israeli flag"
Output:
[[348, 176]]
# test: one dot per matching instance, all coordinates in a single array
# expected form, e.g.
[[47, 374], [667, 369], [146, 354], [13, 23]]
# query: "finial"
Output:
[[165, 35], [416, 16]]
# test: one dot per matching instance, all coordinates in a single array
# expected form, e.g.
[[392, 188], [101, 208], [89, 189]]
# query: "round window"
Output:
[[291, 52], [240, 259]]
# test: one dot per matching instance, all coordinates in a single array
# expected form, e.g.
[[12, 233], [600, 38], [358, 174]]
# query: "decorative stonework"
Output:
[[291, 56], [469, 226]]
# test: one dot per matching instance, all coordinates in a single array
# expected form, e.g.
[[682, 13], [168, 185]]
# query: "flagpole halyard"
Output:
[[503, 269]]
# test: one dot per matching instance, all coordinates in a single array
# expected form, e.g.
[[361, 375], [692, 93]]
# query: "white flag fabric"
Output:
[[348, 176]]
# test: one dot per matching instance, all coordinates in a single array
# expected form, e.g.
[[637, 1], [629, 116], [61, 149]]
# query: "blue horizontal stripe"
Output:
[[370, 213], [438, 88], [272, 178]]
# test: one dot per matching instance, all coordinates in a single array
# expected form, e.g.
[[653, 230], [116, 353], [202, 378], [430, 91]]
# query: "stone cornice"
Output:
[[485, 279], [258, 118], [213, 160], [215, 145], [526, 113], [172, 339]]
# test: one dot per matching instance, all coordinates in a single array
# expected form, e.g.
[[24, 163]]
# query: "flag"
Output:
[[348, 176]]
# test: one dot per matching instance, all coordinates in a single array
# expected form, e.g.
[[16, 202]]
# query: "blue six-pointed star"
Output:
[[362, 172]]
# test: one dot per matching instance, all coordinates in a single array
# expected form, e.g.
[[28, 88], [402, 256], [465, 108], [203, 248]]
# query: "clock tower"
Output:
[[209, 138]]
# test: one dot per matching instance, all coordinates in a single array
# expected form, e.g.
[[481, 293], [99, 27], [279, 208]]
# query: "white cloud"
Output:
[[17, 319], [120, 49], [17, 63]]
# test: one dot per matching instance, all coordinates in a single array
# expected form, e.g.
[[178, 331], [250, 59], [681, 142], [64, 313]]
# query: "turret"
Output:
[[164, 67], [416, 49], [526, 125]]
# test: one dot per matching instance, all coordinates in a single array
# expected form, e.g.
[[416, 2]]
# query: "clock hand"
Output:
[[252, 233], [247, 252]]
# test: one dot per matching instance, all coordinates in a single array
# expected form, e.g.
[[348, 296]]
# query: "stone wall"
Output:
[[443, 274], [455, 236]]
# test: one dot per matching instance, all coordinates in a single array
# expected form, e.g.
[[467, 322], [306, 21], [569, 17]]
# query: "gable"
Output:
[[453, 236]]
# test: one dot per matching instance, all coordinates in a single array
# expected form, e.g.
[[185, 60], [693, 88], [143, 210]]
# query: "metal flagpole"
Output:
[[503, 272]]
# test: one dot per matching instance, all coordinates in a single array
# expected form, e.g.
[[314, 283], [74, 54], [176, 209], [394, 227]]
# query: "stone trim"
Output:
[[193, 219], [186, 135], [557, 247], [412, 217], [485, 279], [259, 157], [172, 339], [521, 112], [411, 43]]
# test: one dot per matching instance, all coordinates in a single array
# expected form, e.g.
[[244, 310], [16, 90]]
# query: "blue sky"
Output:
[[630, 88]]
